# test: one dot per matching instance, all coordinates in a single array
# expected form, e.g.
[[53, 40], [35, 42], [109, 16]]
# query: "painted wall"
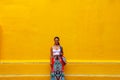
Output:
[[88, 29]]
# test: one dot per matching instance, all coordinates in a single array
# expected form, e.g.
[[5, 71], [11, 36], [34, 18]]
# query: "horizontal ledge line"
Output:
[[68, 61], [74, 75]]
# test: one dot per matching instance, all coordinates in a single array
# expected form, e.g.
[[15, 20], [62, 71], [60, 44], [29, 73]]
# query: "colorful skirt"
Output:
[[57, 69]]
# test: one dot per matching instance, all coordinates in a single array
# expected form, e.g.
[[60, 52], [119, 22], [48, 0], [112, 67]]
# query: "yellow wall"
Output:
[[88, 29]]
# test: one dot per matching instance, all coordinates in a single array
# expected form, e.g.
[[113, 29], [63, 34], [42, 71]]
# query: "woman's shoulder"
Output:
[[52, 47], [61, 46]]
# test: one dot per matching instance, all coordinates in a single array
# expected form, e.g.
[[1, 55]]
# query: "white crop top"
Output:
[[56, 52]]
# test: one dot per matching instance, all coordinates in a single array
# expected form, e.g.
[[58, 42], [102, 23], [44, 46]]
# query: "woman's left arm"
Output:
[[61, 51]]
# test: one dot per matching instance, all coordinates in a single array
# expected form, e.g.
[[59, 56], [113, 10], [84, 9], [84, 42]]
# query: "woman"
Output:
[[57, 55]]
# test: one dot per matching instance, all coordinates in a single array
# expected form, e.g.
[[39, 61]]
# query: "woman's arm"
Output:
[[62, 57], [61, 51]]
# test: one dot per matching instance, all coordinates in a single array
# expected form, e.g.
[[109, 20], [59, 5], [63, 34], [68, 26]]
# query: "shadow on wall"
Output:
[[1, 41]]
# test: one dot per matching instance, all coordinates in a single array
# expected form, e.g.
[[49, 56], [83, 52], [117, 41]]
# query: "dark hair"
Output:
[[57, 38]]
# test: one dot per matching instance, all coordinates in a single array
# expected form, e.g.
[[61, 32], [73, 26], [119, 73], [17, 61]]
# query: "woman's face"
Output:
[[56, 40]]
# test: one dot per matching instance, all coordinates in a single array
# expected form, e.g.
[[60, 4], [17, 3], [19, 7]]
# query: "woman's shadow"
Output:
[[1, 38]]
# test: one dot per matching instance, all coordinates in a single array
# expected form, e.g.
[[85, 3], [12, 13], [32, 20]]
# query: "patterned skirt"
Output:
[[57, 69]]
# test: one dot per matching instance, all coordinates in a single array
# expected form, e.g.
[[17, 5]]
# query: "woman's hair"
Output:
[[57, 38]]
